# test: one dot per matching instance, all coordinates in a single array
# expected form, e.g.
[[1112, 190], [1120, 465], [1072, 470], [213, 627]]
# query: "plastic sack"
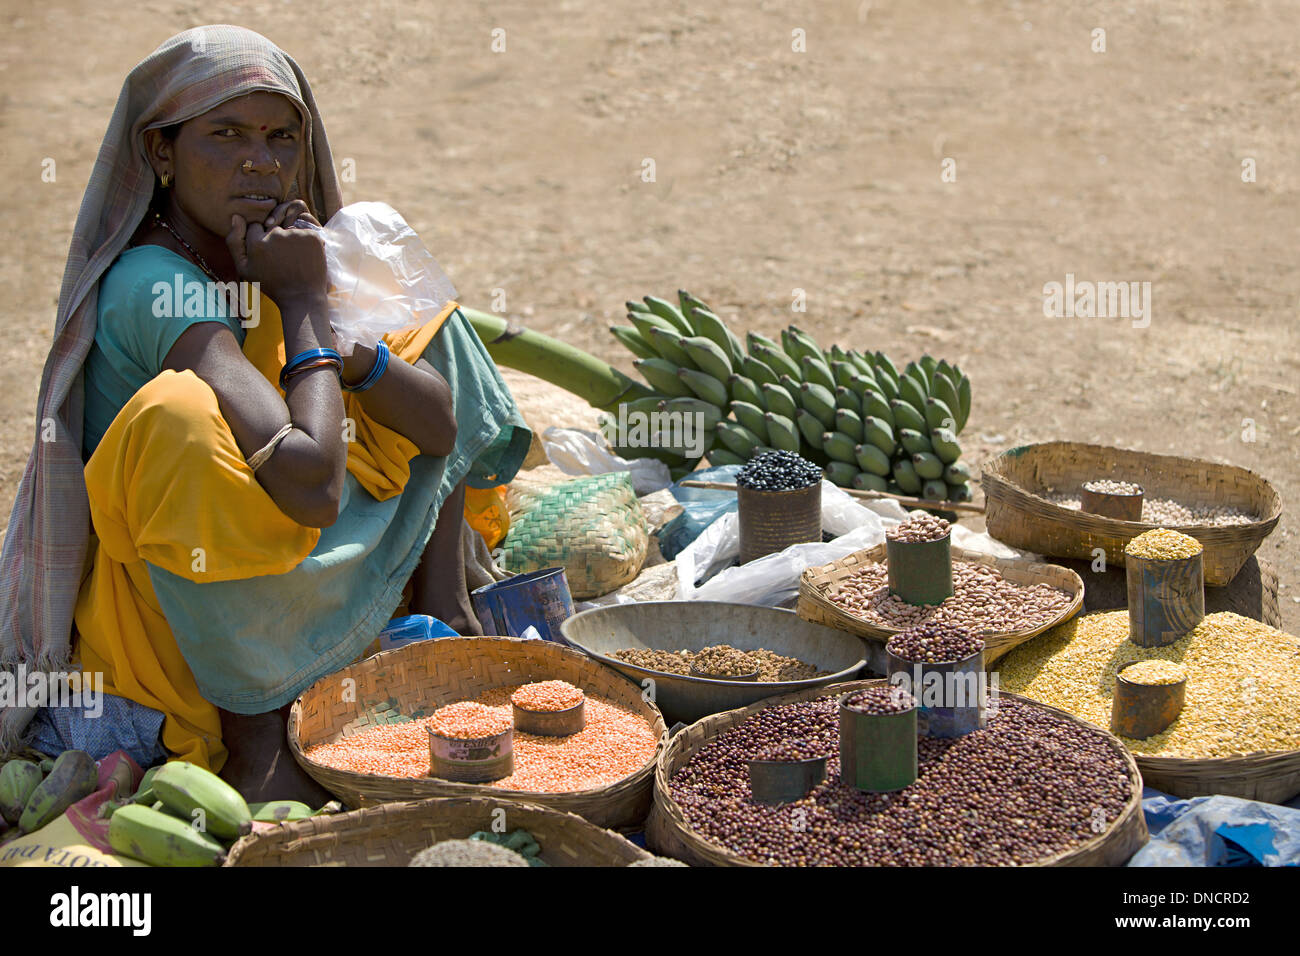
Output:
[[381, 277], [578, 452], [401, 631], [1217, 831], [701, 507]]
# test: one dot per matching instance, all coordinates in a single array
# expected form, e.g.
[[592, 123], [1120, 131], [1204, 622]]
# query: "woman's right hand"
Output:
[[288, 264]]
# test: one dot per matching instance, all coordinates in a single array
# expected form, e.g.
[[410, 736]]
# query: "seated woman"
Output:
[[260, 505]]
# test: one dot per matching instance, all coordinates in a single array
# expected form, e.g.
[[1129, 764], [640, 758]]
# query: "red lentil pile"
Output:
[[547, 695], [468, 721], [614, 744]]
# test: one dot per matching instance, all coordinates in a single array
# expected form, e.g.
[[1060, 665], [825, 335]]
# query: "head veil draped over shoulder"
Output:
[[47, 544]]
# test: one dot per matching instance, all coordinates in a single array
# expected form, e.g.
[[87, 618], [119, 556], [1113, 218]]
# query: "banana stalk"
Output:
[[598, 383]]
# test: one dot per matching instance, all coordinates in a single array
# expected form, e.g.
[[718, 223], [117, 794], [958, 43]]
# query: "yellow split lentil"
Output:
[[1154, 672], [1243, 681], [1162, 544]]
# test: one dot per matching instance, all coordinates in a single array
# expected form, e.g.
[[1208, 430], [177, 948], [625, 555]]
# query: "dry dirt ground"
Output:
[[780, 169]]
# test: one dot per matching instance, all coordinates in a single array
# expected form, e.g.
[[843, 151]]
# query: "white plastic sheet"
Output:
[[578, 452], [381, 277], [705, 571]]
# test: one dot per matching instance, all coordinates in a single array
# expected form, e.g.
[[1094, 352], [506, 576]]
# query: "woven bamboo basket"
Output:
[[669, 834], [391, 833], [1017, 513], [420, 677], [816, 585], [1273, 777]]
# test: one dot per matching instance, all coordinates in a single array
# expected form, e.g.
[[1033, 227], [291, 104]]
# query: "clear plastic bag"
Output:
[[381, 277], [578, 452]]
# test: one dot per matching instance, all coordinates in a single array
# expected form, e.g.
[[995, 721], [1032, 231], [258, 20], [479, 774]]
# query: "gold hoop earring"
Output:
[[166, 180]]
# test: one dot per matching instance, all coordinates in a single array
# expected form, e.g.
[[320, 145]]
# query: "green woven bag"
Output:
[[592, 527]]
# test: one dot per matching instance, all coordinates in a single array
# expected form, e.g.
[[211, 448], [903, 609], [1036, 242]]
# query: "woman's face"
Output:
[[241, 157]]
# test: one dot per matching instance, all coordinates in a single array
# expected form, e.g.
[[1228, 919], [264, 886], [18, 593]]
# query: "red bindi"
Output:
[[263, 129]]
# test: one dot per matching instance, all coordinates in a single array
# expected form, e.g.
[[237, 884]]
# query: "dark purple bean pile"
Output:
[[1028, 786], [784, 751], [778, 471], [881, 700], [934, 644]]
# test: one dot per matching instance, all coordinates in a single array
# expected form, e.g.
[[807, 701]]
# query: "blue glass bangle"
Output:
[[306, 356], [376, 371]]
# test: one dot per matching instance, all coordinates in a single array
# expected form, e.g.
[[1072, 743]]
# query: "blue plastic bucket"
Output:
[[540, 598]]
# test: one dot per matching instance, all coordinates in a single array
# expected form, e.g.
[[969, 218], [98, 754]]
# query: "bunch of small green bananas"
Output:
[[869, 425]]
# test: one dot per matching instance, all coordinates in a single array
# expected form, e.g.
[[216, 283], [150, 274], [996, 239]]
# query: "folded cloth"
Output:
[[121, 725]]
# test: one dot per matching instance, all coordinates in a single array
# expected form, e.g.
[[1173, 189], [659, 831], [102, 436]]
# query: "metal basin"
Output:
[[695, 625]]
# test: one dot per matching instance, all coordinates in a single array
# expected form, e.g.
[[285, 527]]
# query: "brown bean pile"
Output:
[[881, 700], [724, 661], [934, 644], [1108, 487], [1028, 786], [1168, 512], [771, 666], [920, 527], [784, 751], [982, 601]]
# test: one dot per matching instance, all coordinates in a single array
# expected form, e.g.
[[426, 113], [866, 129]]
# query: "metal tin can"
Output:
[[877, 751], [1110, 505], [1139, 710], [784, 781], [477, 760], [771, 521], [1166, 599], [538, 598], [952, 694], [920, 572], [551, 723]]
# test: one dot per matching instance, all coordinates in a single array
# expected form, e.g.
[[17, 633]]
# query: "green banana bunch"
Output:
[[73, 777], [17, 781], [183, 788], [160, 839], [870, 425]]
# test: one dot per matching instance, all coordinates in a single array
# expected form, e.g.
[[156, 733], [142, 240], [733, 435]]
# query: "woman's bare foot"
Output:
[[260, 765]]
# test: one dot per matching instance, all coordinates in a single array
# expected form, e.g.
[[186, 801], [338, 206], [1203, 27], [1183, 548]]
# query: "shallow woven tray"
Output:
[[1017, 513], [1273, 777], [668, 832], [391, 833], [694, 625], [816, 584], [425, 675]]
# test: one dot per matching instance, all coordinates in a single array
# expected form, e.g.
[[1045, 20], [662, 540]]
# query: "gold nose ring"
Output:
[[248, 166]]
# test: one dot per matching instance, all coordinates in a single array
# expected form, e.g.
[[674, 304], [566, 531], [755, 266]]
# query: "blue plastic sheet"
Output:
[[703, 507], [1218, 831]]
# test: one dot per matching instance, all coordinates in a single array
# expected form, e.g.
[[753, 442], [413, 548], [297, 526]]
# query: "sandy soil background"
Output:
[[776, 170]]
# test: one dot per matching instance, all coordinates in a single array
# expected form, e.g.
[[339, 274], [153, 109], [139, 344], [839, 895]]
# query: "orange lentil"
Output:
[[547, 695], [467, 720], [614, 744]]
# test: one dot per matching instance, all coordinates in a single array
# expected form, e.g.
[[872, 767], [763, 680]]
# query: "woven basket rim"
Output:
[[665, 801], [339, 826], [470, 789], [996, 483], [815, 591]]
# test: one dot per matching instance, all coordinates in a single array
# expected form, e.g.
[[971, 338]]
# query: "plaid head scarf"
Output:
[[46, 547]]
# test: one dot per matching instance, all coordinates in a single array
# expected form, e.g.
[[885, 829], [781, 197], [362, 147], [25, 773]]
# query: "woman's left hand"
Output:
[[290, 214]]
